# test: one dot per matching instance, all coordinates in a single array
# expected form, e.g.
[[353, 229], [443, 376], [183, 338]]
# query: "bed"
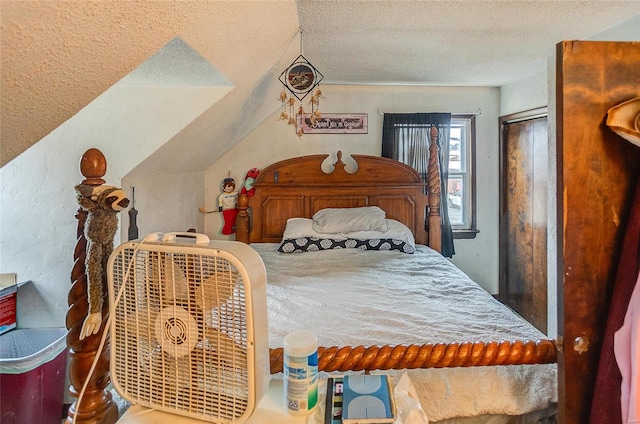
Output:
[[498, 374], [389, 310]]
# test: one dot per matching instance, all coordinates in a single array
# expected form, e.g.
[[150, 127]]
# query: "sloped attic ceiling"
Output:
[[59, 56]]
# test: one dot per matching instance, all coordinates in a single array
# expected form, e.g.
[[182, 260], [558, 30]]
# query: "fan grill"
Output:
[[179, 338]]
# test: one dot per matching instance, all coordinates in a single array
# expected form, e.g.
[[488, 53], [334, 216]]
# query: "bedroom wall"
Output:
[[526, 94], [37, 194], [274, 141], [175, 195]]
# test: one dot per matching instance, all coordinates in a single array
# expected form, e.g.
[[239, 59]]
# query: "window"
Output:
[[405, 137], [460, 196], [461, 185]]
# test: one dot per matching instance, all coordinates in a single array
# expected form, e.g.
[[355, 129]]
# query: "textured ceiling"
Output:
[[486, 43], [57, 56]]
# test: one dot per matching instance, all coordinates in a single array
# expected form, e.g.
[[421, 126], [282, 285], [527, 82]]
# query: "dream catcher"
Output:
[[299, 79]]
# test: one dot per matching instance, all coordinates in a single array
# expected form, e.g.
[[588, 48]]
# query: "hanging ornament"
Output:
[[299, 79]]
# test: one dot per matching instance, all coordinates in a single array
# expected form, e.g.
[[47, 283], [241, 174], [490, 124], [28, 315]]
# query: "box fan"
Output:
[[189, 326]]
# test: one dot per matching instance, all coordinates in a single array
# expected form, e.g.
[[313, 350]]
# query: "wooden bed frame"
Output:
[[299, 187]]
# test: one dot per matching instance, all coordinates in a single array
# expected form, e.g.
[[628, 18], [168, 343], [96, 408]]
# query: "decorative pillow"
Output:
[[346, 220], [313, 244], [299, 236]]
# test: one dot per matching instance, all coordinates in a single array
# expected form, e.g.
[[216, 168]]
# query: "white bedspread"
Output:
[[352, 297]]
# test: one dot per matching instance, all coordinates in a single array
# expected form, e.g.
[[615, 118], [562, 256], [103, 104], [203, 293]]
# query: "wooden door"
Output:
[[597, 171], [523, 216]]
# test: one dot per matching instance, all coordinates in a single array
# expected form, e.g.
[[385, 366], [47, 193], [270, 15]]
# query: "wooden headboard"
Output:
[[299, 187]]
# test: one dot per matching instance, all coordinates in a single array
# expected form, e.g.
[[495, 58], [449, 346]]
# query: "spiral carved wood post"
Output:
[[243, 219], [96, 405], [433, 186]]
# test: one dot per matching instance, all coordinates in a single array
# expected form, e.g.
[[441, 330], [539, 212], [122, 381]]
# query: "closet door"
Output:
[[523, 217]]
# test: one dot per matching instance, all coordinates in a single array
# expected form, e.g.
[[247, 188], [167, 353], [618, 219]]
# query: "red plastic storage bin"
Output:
[[32, 375]]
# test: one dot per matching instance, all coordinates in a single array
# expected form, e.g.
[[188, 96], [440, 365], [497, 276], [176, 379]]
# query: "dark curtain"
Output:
[[405, 137]]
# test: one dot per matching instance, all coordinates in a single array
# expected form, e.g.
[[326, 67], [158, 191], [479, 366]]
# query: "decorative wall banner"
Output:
[[335, 123]]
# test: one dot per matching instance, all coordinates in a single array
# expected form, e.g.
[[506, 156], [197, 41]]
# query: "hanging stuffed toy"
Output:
[[102, 203], [249, 179], [227, 204]]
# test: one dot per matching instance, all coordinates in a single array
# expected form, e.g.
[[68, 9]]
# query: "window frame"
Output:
[[468, 230]]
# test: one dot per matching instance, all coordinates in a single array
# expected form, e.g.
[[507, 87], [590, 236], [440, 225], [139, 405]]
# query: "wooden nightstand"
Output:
[[270, 410]]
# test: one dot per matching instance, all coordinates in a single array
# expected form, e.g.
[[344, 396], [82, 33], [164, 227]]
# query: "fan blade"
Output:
[[175, 283], [141, 323], [167, 274], [227, 349], [168, 373], [214, 291]]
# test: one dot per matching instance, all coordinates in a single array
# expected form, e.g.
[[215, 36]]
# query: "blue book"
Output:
[[367, 399]]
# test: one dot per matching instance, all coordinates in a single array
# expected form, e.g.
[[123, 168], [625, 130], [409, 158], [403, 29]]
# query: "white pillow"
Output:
[[303, 228], [396, 230], [346, 220]]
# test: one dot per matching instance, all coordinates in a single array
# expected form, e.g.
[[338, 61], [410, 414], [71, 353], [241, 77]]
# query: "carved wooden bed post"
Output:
[[96, 405], [243, 220], [433, 187]]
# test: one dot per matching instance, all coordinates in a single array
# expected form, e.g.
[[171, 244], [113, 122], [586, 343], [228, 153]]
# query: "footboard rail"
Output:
[[439, 355]]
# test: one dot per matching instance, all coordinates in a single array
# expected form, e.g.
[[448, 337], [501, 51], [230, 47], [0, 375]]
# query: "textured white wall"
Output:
[[274, 141], [166, 203], [627, 30], [527, 94], [37, 224], [37, 198]]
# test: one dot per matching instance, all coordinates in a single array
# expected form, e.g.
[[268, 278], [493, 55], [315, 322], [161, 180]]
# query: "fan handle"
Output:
[[200, 238]]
